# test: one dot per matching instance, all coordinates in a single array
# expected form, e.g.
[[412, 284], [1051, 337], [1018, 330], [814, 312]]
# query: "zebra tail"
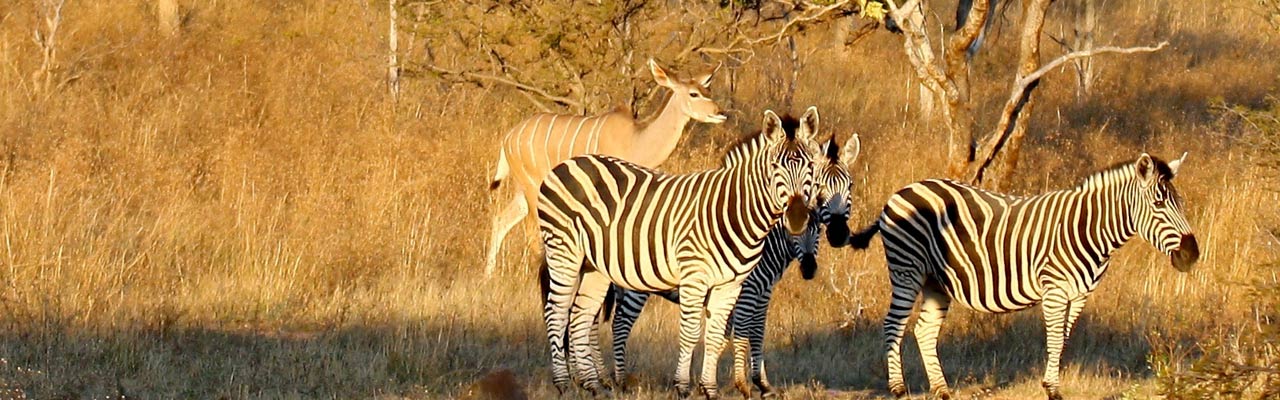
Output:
[[544, 281], [610, 301], [501, 173], [862, 239]]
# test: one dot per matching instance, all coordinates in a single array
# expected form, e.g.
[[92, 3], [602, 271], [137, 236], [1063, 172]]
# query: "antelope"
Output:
[[538, 143]]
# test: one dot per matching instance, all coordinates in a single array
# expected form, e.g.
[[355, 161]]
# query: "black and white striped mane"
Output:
[[1123, 171], [749, 145]]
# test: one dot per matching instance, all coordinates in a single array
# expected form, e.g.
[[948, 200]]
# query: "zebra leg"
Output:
[[627, 311], [740, 328], [719, 304], [693, 294], [563, 267], [906, 286], [1060, 315], [933, 310], [756, 333], [506, 219], [582, 328]]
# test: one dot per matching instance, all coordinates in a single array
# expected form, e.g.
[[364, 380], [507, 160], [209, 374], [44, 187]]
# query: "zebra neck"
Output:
[[655, 141], [1098, 223], [748, 201]]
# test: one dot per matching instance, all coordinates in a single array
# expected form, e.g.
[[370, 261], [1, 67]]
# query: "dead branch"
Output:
[[1018, 97], [742, 44], [476, 76]]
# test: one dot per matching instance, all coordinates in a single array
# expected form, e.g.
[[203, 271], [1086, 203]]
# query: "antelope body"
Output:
[[542, 141]]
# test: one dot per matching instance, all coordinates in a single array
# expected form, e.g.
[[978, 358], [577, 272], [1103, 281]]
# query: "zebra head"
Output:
[[832, 196], [834, 183], [1157, 211], [792, 166], [691, 95]]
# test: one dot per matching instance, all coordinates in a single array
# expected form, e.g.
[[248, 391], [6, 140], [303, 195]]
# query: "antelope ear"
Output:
[[1176, 164], [1145, 169], [705, 79], [808, 125], [659, 74], [773, 127], [851, 150]]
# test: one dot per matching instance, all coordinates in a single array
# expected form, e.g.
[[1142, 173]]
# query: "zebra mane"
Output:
[[1124, 170], [748, 145]]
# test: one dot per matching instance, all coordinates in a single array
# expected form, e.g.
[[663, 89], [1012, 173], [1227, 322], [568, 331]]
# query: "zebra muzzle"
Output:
[[1187, 254], [796, 215], [808, 266]]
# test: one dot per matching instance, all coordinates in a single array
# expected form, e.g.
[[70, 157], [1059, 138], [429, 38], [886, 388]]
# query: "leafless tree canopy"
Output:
[[587, 55]]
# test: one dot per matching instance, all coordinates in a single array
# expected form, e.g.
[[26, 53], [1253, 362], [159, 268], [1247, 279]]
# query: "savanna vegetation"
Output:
[[224, 199]]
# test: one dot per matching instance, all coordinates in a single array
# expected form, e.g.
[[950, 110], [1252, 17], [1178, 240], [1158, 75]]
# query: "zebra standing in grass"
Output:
[[948, 241], [780, 248], [606, 220]]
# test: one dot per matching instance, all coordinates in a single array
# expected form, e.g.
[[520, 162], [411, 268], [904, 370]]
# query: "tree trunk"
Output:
[[169, 16], [1028, 62], [1086, 23], [393, 65]]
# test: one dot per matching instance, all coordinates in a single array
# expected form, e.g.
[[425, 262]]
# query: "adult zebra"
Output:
[[949, 241], [606, 220], [780, 248]]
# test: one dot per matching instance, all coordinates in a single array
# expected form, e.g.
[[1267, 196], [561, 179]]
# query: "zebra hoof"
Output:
[[743, 387], [1053, 394], [710, 392], [563, 389], [682, 391], [768, 392], [1051, 391], [942, 394], [898, 389]]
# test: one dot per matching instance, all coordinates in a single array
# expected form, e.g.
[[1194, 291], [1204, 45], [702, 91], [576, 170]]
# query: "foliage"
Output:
[[593, 53], [1246, 364]]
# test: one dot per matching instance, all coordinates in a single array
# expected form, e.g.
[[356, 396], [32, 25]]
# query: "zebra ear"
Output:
[[852, 149], [808, 124], [1175, 164], [659, 74], [773, 127], [1145, 169]]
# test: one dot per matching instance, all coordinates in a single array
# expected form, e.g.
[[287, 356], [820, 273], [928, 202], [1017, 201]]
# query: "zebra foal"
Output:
[[747, 320], [946, 241], [605, 220]]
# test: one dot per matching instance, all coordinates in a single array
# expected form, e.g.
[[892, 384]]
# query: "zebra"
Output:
[[994, 253], [780, 248], [606, 220]]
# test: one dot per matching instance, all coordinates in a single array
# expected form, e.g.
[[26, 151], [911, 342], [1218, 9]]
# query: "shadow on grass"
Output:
[[441, 357]]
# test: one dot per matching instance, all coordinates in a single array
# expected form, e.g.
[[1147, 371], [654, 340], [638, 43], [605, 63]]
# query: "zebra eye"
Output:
[[695, 94], [1158, 203]]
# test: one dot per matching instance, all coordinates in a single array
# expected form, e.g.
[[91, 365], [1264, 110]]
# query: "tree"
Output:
[[586, 56], [968, 159]]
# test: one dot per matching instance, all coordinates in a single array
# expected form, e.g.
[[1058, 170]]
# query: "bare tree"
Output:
[[968, 158], [169, 16], [47, 39], [558, 53], [393, 65]]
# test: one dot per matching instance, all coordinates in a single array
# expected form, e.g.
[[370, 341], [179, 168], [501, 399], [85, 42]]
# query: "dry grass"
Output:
[[235, 212]]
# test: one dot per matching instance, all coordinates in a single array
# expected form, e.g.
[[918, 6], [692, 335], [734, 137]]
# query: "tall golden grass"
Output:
[[241, 210]]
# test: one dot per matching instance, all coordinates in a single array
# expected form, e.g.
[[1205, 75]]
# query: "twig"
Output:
[[505, 81], [1022, 89]]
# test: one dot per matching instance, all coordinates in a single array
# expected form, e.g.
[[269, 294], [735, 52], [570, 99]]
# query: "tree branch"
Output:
[[1021, 92], [476, 76]]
